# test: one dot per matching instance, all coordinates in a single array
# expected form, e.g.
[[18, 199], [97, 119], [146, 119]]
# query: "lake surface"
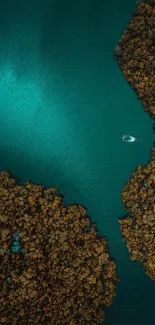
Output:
[[64, 106]]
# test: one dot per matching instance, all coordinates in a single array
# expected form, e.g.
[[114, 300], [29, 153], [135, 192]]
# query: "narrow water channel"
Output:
[[64, 106]]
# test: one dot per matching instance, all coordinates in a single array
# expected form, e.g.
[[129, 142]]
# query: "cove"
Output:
[[64, 108]]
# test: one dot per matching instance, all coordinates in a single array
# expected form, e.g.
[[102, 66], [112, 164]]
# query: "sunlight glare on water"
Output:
[[64, 108]]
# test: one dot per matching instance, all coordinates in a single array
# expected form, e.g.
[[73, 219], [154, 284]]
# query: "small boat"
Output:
[[128, 138]]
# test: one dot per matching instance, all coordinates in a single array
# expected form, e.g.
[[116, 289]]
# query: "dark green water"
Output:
[[64, 106]]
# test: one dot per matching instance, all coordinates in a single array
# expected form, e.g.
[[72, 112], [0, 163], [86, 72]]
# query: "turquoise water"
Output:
[[64, 106]]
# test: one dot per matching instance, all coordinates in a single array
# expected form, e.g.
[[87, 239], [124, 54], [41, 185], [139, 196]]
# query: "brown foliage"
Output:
[[138, 228], [65, 275], [137, 59]]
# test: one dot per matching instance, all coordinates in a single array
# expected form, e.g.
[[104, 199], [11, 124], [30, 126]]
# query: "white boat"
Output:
[[128, 138]]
